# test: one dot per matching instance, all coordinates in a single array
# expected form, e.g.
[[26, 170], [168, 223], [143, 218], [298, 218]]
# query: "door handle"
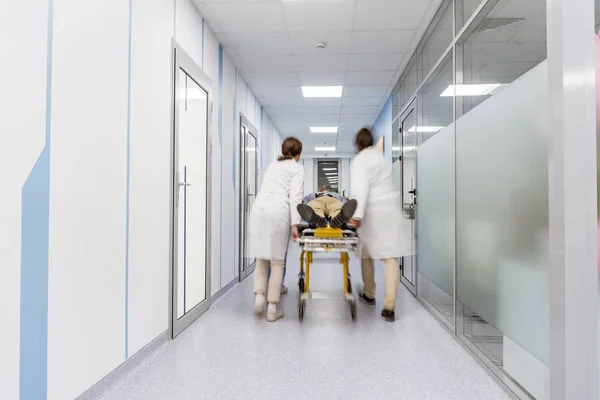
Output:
[[413, 192]]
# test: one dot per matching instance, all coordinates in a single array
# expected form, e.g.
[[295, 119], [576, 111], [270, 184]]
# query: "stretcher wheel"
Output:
[[301, 308], [301, 285], [349, 286], [353, 310]]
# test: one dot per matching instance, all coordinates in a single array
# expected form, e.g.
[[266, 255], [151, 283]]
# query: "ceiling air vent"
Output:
[[499, 29]]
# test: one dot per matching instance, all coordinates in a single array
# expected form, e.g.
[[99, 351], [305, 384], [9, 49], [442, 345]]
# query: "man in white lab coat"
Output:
[[379, 219]]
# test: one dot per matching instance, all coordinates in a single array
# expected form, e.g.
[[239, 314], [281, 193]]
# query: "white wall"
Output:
[[84, 215]]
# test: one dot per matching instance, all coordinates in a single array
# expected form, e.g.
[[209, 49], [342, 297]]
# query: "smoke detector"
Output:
[[321, 45]]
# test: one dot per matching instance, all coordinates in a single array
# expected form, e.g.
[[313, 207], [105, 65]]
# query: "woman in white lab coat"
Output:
[[379, 219], [271, 217]]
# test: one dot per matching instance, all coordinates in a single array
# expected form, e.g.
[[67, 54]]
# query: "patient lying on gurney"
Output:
[[317, 209]]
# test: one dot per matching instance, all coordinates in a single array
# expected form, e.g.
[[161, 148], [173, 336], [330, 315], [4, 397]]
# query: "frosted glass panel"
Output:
[[436, 209], [502, 212]]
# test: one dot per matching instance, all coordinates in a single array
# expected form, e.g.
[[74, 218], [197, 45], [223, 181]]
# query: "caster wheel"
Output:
[[349, 286], [353, 310], [301, 285], [301, 308]]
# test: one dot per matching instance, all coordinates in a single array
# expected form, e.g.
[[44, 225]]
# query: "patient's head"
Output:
[[323, 188]]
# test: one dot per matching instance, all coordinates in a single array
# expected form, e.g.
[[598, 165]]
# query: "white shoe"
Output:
[[259, 304], [284, 289], [273, 316]]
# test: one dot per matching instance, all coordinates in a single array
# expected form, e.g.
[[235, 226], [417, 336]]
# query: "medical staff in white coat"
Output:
[[379, 219], [273, 213]]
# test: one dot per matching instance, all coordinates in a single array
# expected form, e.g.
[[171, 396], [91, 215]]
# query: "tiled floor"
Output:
[[230, 354]]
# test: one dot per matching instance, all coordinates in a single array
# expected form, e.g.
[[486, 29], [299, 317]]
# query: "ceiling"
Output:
[[273, 44]]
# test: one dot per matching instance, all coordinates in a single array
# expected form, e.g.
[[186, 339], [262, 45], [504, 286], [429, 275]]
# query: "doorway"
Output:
[[328, 174], [190, 199], [408, 165], [248, 190]]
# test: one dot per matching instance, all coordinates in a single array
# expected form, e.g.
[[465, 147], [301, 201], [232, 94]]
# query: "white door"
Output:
[[190, 263], [249, 190]]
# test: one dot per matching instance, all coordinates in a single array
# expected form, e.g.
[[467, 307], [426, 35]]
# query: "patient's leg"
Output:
[[344, 214], [313, 213]]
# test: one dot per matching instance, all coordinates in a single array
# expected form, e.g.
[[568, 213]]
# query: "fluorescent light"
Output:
[[426, 129], [323, 129], [318, 148], [405, 148], [322, 91], [331, 173], [329, 169], [471, 90]]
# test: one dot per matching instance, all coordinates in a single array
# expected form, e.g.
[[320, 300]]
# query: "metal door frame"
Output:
[[410, 109], [244, 123], [181, 60]]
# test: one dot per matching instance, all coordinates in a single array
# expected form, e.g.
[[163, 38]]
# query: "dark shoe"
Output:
[[367, 300], [310, 216], [390, 316], [345, 214]]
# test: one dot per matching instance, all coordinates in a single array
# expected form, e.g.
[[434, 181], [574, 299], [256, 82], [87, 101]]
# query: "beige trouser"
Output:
[[326, 206], [391, 278], [261, 276]]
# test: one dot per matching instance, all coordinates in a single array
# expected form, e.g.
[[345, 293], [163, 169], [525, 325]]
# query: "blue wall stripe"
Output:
[[35, 225], [234, 173], [220, 122], [127, 195], [203, 44]]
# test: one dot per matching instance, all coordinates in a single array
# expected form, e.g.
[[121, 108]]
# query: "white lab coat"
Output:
[[274, 210], [383, 232]]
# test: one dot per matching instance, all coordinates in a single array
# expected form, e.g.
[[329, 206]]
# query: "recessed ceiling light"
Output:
[[471, 90], [318, 148], [329, 169], [323, 129], [331, 173], [426, 129], [322, 91]]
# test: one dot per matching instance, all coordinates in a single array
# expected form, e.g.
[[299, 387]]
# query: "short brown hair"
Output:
[[364, 139], [290, 148]]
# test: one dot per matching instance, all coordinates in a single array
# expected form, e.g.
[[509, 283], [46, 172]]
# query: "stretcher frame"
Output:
[[326, 240]]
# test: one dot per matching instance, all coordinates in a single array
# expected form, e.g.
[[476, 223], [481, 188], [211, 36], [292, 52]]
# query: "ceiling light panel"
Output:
[[323, 129], [324, 148], [322, 91]]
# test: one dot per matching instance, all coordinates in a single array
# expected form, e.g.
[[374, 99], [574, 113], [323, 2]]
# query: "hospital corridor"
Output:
[[299, 199]]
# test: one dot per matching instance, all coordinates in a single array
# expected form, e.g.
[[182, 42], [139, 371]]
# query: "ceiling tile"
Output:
[[319, 78], [318, 15], [389, 14], [356, 118], [265, 63], [272, 79], [323, 102], [256, 43], [273, 91], [370, 110], [370, 78], [361, 101], [374, 90], [321, 62], [278, 101], [375, 62], [381, 41], [248, 17], [336, 42]]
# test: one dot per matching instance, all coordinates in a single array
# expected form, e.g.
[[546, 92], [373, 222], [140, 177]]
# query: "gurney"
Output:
[[325, 240]]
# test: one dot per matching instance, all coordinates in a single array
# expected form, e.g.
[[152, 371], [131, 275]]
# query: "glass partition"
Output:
[[435, 182], [482, 181]]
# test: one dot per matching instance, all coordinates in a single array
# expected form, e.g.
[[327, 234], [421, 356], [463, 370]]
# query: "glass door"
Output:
[[408, 160], [328, 175], [190, 250], [249, 189]]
